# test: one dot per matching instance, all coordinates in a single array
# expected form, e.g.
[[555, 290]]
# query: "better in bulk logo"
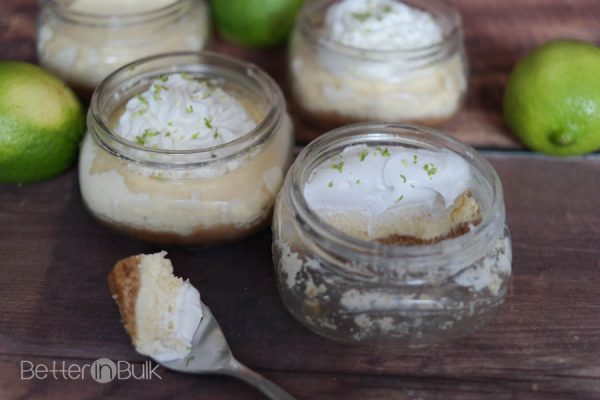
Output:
[[103, 370]]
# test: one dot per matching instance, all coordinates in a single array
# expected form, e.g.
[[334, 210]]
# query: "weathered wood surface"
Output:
[[55, 304]]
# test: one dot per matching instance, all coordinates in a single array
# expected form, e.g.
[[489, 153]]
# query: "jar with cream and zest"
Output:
[[385, 60], [185, 149], [391, 234]]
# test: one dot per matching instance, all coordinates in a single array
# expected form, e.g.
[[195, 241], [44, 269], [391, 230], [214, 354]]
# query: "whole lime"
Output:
[[255, 23], [41, 123], [552, 101]]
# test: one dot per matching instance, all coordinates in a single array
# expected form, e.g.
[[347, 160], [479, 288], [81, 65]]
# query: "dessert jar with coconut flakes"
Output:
[[83, 41], [387, 60], [185, 149], [391, 234]]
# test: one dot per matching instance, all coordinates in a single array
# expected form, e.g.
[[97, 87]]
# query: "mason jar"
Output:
[[186, 197], [354, 290], [82, 41], [335, 84]]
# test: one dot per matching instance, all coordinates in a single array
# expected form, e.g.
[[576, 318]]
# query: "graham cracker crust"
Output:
[[328, 120], [124, 285], [202, 237], [402, 240]]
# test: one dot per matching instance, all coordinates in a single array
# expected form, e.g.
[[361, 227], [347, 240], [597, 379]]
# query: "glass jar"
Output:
[[83, 41], [335, 84], [354, 290], [186, 197]]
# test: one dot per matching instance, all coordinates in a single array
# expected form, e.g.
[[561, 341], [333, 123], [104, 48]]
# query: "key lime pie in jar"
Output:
[[391, 234], [185, 149], [83, 41], [387, 60]]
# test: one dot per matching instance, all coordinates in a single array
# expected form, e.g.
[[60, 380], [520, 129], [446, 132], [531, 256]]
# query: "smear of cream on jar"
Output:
[[381, 25], [178, 112]]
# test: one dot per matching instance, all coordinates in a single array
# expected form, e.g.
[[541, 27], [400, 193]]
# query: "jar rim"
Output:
[[446, 45], [113, 20], [340, 242], [232, 67]]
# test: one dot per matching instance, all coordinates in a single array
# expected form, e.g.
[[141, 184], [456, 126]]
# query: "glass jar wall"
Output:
[[350, 289], [190, 196]]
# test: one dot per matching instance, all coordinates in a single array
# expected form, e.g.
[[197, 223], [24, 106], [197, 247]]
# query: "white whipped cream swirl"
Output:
[[374, 180], [178, 112], [381, 25]]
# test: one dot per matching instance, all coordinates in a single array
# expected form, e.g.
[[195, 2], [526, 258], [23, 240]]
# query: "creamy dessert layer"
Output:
[[84, 53], [160, 312], [194, 204], [350, 83], [394, 194]]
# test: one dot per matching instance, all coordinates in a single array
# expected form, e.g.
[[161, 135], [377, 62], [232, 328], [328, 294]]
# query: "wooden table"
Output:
[[55, 305]]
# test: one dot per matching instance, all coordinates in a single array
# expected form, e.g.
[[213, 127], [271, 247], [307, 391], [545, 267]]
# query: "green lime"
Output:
[[552, 101], [255, 23], [41, 122]]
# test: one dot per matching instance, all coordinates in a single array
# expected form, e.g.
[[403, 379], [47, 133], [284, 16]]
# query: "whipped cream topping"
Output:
[[373, 180], [178, 112], [381, 25]]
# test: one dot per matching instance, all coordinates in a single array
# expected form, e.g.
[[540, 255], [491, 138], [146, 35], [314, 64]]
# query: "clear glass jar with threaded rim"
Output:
[[353, 290], [335, 83], [189, 196], [83, 41]]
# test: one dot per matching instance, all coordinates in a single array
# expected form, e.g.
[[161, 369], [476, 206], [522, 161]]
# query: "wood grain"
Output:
[[545, 344]]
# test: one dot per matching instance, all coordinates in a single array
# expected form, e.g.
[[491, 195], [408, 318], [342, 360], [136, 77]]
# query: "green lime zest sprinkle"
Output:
[[189, 109], [363, 154], [142, 99], [403, 178], [399, 199], [384, 152], [163, 78], [415, 158], [196, 135], [404, 162], [186, 76], [157, 89], [362, 16], [141, 139], [139, 113], [358, 181], [338, 166], [330, 184], [216, 134], [412, 186], [167, 134], [430, 169], [170, 123], [387, 9], [208, 123]]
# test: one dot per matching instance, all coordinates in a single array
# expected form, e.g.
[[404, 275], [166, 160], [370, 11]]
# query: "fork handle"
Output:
[[268, 388]]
